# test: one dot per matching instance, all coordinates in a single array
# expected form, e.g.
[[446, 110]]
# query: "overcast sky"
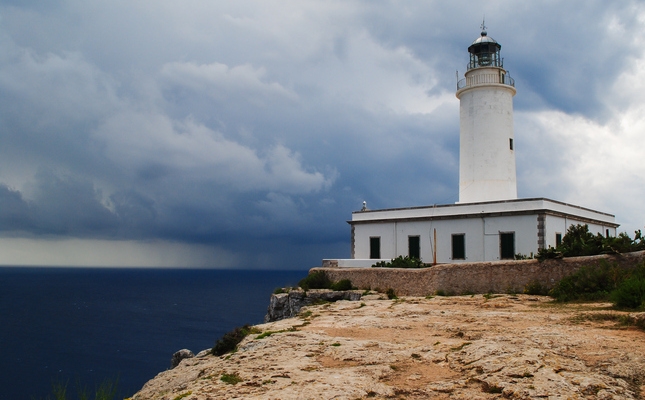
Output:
[[242, 134]]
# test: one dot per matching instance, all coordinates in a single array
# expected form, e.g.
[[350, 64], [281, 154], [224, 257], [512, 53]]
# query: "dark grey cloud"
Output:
[[15, 213], [254, 128]]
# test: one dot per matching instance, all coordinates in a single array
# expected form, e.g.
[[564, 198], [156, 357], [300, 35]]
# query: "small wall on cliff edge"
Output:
[[481, 277]]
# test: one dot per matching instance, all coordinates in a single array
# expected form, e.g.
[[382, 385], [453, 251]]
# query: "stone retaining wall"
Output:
[[482, 277]]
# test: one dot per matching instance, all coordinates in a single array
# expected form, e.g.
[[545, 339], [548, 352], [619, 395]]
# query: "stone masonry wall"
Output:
[[481, 277]]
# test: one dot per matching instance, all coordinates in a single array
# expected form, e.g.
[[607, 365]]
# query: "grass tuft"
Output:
[[231, 379]]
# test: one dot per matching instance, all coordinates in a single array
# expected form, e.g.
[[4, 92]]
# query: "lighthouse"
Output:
[[486, 148], [489, 222]]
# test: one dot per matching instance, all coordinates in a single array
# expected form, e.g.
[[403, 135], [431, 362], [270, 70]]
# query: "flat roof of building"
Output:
[[488, 208]]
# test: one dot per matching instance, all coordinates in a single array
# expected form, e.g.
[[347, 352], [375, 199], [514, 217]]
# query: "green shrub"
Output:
[[619, 244], [520, 256], [319, 280], [400, 262], [578, 241], [589, 283], [230, 340], [548, 253], [231, 379], [390, 294], [535, 288], [630, 293], [316, 280], [344, 284]]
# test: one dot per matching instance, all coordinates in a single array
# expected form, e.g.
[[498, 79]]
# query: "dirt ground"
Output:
[[462, 347]]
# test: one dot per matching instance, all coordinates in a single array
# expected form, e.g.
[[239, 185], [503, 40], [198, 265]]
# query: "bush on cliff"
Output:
[[315, 280], [319, 280], [343, 284], [230, 340]]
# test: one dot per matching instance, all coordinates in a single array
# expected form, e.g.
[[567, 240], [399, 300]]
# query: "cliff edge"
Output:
[[462, 347]]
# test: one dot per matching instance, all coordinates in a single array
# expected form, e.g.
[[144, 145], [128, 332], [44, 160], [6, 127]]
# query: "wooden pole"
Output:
[[434, 248]]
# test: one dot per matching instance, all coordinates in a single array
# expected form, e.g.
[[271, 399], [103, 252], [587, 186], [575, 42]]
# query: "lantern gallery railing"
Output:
[[484, 79]]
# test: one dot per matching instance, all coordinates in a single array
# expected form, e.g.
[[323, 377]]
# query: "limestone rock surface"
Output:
[[463, 347]]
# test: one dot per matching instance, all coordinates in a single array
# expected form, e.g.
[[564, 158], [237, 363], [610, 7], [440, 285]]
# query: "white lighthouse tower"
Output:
[[486, 152], [489, 222]]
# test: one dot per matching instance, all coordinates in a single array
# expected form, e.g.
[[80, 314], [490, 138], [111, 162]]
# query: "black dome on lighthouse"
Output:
[[484, 52]]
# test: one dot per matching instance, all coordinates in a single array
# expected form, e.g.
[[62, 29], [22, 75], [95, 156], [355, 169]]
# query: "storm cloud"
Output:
[[243, 134]]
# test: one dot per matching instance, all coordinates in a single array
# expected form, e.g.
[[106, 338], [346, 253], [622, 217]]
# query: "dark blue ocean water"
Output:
[[85, 325]]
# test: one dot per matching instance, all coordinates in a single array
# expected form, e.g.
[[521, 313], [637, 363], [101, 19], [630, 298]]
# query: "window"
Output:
[[459, 246], [414, 247], [507, 245], [510, 141], [558, 239], [606, 232], [375, 247]]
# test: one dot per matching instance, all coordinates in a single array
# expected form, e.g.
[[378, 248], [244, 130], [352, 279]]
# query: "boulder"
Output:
[[180, 355], [287, 305]]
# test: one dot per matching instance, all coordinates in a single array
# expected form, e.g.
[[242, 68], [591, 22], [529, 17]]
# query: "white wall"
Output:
[[480, 222], [481, 237]]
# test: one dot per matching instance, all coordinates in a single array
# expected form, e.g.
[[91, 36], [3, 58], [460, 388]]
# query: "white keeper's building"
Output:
[[488, 222]]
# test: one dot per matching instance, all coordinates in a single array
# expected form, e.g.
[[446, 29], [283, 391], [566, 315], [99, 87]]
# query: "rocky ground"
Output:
[[465, 347]]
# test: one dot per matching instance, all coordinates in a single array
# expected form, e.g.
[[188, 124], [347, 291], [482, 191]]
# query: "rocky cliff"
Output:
[[287, 305], [466, 347]]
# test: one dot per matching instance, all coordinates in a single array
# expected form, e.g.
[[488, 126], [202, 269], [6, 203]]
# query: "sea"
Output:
[[82, 327]]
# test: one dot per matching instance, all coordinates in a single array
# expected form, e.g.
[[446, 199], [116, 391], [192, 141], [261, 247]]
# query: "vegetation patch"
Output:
[[269, 333], [320, 280], [401, 262], [625, 287], [181, 396], [619, 320], [315, 280], [341, 285], [630, 293], [228, 343], [535, 288], [391, 294], [231, 379], [578, 241], [281, 290]]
